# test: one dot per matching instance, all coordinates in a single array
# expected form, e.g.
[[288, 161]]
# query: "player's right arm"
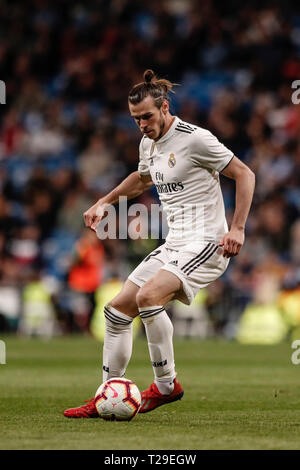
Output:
[[132, 186]]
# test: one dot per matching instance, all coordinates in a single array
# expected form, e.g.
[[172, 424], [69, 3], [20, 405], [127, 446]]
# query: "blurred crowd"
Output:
[[66, 138]]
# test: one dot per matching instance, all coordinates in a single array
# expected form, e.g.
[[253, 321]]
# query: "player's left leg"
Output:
[[196, 266], [151, 298]]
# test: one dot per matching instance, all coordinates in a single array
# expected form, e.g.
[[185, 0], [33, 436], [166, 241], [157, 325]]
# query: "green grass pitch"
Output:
[[236, 397]]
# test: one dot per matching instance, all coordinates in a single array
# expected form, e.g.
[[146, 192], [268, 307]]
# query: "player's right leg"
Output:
[[119, 314]]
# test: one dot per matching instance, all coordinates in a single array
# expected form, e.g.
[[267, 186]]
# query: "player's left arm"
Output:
[[244, 189]]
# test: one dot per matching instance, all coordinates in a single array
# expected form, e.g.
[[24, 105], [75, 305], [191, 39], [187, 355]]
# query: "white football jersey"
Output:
[[184, 165]]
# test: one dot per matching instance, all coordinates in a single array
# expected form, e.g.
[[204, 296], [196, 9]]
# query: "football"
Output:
[[118, 399]]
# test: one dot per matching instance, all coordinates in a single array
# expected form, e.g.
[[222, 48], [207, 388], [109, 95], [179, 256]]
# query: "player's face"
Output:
[[149, 118]]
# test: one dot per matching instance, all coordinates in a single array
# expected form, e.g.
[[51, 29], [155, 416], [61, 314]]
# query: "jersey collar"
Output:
[[170, 132]]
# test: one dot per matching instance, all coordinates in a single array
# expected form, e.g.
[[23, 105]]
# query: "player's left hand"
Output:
[[232, 242]]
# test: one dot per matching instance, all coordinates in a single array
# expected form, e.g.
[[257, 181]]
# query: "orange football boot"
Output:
[[152, 398], [85, 411]]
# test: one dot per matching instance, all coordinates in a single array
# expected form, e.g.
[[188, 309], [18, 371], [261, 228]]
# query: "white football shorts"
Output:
[[196, 265]]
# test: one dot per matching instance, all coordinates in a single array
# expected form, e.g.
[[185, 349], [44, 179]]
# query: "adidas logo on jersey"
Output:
[[169, 187], [184, 127], [175, 262]]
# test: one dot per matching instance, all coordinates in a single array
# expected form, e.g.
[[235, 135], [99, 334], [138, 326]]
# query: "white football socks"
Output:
[[117, 346], [159, 331]]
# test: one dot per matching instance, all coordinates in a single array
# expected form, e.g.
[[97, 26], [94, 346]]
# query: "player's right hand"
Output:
[[93, 215]]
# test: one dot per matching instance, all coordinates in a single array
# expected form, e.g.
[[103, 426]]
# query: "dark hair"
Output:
[[153, 86]]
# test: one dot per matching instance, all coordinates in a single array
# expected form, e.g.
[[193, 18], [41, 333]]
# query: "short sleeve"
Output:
[[143, 167], [208, 152]]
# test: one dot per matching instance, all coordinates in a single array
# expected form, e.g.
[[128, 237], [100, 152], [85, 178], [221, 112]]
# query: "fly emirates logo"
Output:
[[166, 187], [169, 187]]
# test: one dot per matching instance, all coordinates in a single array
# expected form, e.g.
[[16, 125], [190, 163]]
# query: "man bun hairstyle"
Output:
[[149, 75], [158, 88]]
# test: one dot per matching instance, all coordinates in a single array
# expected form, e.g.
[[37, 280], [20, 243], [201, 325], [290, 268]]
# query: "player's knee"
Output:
[[115, 304], [146, 297], [127, 307]]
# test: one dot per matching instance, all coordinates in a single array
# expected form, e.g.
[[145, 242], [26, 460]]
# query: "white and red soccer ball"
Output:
[[118, 399]]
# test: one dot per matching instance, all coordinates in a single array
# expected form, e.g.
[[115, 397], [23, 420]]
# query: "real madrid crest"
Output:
[[171, 161]]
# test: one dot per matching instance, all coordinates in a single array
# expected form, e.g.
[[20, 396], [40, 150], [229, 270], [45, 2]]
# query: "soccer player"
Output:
[[184, 162]]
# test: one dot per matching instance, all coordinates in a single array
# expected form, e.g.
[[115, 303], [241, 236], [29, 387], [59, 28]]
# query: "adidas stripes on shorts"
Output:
[[196, 265]]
